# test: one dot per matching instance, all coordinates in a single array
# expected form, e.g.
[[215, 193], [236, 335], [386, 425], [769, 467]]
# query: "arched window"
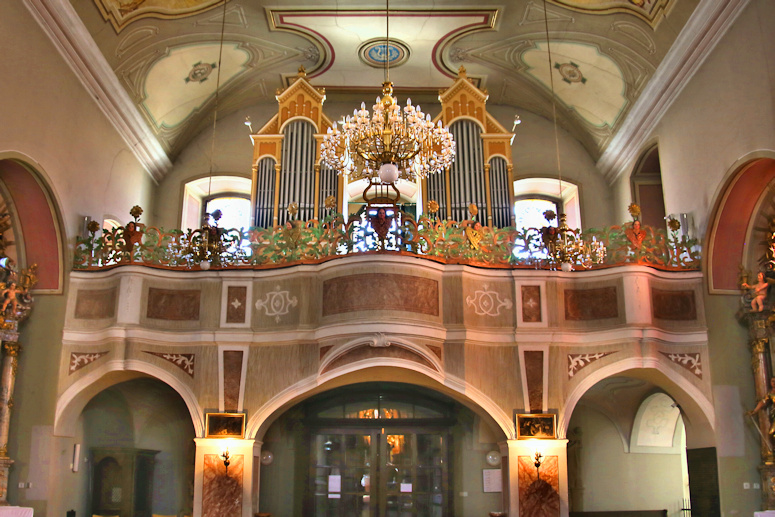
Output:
[[646, 182], [229, 194]]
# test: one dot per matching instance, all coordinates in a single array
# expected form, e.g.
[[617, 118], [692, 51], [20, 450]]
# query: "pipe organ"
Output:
[[287, 168]]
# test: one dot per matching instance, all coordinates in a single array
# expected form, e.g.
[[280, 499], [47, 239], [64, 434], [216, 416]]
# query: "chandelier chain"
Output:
[[217, 91], [554, 102]]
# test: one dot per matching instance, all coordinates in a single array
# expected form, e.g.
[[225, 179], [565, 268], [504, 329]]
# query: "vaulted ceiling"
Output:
[[163, 54]]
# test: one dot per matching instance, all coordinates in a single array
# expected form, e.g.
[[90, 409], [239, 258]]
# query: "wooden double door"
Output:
[[378, 472]]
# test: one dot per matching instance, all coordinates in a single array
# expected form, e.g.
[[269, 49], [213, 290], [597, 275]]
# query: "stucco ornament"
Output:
[[277, 303], [487, 302]]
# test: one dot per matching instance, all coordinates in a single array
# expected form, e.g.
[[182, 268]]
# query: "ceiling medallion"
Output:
[[570, 72], [200, 72], [376, 53]]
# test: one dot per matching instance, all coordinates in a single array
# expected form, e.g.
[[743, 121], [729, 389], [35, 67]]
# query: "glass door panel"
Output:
[[341, 474]]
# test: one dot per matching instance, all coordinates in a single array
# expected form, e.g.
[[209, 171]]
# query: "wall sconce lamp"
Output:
[[538, 460], [225, 456]]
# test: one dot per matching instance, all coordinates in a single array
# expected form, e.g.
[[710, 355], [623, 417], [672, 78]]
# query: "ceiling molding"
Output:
[[62, 25], [707, 25]]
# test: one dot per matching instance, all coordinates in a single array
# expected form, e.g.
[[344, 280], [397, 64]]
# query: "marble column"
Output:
[[8, 370], [221, 491], [552, 475]]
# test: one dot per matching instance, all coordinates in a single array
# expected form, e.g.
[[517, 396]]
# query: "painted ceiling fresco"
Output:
[[122, 12], [164, 54]]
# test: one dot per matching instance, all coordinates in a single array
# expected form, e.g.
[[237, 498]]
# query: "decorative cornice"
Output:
[[707, 25], [62, 25]]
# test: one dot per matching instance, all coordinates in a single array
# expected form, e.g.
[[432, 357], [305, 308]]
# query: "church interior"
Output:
[[530, 279]]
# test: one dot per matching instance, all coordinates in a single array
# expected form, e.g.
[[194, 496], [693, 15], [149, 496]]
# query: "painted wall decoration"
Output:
[[170, 94], [650, 11], [78, 359], [691, 362], [121, 13], [381, 292], [185, 362], [539, 488], [222, 487], [487, 302], [236, 304], [673, 305], [531, 303], [534, 377], [277, 303], [591, 304], [599, 98], [232, 378], [173, 304], [578, 361], [95, 304]]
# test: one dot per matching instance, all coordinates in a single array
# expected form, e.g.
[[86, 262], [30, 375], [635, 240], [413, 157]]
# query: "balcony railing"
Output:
[[464, 242]]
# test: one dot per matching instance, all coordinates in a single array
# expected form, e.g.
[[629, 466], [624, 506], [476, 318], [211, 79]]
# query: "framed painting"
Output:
[[224, 425], [537, 426]]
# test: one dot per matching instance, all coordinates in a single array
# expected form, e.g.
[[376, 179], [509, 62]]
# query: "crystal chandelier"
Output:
[[391, 143]]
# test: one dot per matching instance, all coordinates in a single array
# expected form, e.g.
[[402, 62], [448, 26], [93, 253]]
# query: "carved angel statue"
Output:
[[767, 402], [16, 294]]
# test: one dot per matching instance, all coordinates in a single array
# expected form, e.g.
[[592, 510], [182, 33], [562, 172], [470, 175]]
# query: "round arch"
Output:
[[38, 217], [749, 181], [379, 369], [71, 403], [697, 409]]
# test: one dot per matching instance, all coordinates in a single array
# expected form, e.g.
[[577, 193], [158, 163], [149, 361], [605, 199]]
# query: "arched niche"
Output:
[[37, 222], [739, 221]]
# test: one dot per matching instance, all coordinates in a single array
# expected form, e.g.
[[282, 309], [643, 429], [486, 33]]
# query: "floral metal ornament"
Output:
[[634, 210], [433, 206], [136, 212]]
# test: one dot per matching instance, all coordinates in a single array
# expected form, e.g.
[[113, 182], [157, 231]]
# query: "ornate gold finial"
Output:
[[433, 206], [302, 71], [461, 72], [136, 212], [634, 211]]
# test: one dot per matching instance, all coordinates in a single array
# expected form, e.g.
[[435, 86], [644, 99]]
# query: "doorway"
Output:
[[379, 472]]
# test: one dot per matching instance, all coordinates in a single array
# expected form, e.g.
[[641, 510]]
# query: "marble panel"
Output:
[[369, 352], [534, 375], [236, 303], [673, 305], [381, 292], [222, 487], [591, 304], [173, 304], [539, 489], [95, 304], [232, 377], [531, 303]]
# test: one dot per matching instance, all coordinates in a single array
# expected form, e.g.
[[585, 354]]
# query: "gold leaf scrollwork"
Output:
[[758, 346]]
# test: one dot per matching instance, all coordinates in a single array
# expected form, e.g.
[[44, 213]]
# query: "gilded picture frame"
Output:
[[541, 426], [224, 425]]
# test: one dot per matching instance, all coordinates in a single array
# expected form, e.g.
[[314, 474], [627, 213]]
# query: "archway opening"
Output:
[[379, 448], [627, 450], [136, 452]]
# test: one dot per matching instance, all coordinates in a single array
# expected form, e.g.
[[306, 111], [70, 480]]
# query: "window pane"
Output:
[[529, 213], [235, 210]]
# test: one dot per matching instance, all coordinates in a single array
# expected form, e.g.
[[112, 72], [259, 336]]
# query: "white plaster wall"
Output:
[[49, 117], [613, 480], [724, 113]]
